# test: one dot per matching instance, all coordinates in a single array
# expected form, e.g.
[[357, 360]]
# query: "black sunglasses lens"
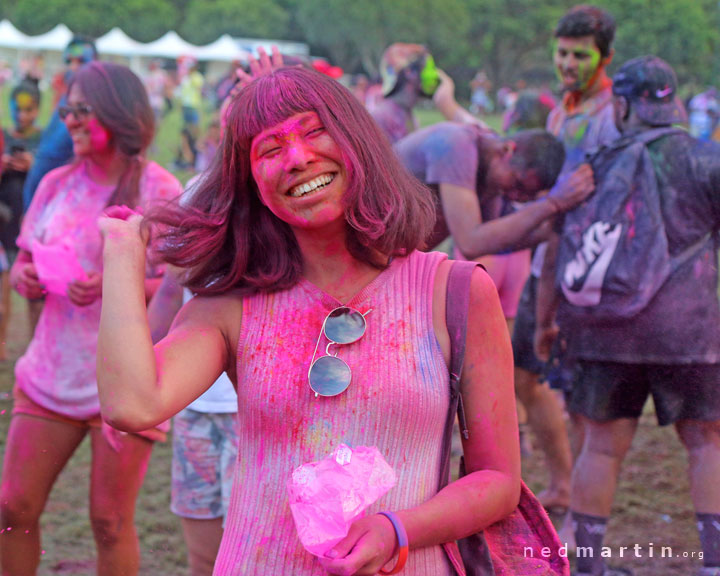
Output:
[[329, 376], [344, 325]]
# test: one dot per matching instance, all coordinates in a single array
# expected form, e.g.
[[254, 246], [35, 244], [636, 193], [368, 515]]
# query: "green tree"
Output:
[[205, 20], [510, 38], [144, 21], [140, 19], [683, 33], [355, 34]]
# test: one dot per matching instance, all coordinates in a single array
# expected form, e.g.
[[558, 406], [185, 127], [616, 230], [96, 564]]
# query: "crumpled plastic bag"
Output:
[[327, 496], [57, 266]]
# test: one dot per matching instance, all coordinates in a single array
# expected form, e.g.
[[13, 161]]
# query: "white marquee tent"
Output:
[[15, 46]]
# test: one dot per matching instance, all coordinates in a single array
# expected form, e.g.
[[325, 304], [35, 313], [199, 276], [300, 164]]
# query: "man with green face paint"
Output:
[[583, 121]]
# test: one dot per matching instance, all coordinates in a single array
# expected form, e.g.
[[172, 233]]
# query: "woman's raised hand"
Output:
[[122, 223], [369, 545]]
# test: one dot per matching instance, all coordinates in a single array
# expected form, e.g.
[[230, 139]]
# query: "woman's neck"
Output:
[[329, 265], [106, 168]]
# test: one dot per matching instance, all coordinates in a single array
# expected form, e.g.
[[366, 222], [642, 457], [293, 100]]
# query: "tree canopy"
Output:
[[509, 39]]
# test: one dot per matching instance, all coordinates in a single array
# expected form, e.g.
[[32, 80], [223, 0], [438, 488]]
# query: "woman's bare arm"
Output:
[[141, 386]]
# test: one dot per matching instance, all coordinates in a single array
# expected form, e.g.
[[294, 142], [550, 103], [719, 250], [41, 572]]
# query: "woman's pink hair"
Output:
[[227, 239]]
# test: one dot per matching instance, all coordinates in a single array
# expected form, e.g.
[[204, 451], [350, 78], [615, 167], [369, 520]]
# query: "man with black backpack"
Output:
[[635, 288]]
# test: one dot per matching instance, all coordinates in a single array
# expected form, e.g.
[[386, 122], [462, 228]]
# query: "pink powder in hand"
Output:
[[57, 266], [327, 496]]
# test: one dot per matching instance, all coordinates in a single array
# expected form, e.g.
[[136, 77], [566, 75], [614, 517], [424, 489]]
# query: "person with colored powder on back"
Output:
[[310, 220], [56, 404], [583, 122], [471, 171], [668, 348]]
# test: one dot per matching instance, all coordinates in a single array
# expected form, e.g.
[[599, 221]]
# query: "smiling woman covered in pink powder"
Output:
[[308, 220], [56, 397]]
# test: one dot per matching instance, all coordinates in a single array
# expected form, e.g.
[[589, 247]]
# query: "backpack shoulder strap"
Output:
[[457, 303], [644, 137], [647, 136]]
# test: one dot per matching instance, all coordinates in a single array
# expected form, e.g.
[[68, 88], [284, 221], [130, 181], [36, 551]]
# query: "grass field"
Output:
[[652, 505]]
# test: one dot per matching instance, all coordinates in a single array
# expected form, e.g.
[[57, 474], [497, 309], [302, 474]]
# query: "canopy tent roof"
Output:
[[58, 36], [117, 42], [10, 36], [170, 45], [224, 48]]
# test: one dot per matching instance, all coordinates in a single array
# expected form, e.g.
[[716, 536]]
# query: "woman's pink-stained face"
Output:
[[88, 135], [300, 172]]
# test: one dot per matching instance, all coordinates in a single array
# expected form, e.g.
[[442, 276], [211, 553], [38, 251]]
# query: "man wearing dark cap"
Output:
[[670, 349]]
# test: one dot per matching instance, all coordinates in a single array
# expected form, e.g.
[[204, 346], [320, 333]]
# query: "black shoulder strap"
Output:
[[645, 136], [457, 301]]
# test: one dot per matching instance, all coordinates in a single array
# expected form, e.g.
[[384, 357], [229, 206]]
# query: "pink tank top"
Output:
[[397, 400]]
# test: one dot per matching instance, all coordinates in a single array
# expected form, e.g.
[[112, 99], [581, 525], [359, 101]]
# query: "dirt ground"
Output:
[[652, 504]]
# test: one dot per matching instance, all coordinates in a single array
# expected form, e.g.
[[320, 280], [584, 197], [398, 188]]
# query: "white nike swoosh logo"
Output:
[[590, 293], [663, 93]]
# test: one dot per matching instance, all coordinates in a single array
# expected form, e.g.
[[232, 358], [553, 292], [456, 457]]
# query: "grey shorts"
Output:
[[204, 456], [605, 391]]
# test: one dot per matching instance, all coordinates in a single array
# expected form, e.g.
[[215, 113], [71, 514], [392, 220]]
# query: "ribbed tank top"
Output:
[[397, 400]]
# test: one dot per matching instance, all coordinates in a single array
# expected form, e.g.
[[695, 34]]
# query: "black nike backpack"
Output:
[[613, 255]]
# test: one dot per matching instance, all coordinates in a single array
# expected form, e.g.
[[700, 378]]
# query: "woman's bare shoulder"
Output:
[[219, 310], [221, 314]]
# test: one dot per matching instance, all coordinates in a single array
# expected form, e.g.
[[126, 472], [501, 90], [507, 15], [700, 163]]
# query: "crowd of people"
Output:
[[593, 217]]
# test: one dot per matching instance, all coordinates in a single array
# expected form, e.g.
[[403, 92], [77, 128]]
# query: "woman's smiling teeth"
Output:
[[314, 184]]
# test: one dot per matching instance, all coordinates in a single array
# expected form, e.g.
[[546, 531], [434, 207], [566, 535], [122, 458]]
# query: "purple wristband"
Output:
[[402, 539]]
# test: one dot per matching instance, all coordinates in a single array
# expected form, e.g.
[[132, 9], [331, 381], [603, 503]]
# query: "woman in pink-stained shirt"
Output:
[[305, 216], [56, 397]]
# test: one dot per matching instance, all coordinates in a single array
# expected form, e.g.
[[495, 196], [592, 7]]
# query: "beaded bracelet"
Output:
[[402, 542]]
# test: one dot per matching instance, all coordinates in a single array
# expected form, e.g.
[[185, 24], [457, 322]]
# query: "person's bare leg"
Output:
[[594, 481], [595, 473], [115, 482], [202, 539], [548, 424], [37, 450], [702, 441]]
